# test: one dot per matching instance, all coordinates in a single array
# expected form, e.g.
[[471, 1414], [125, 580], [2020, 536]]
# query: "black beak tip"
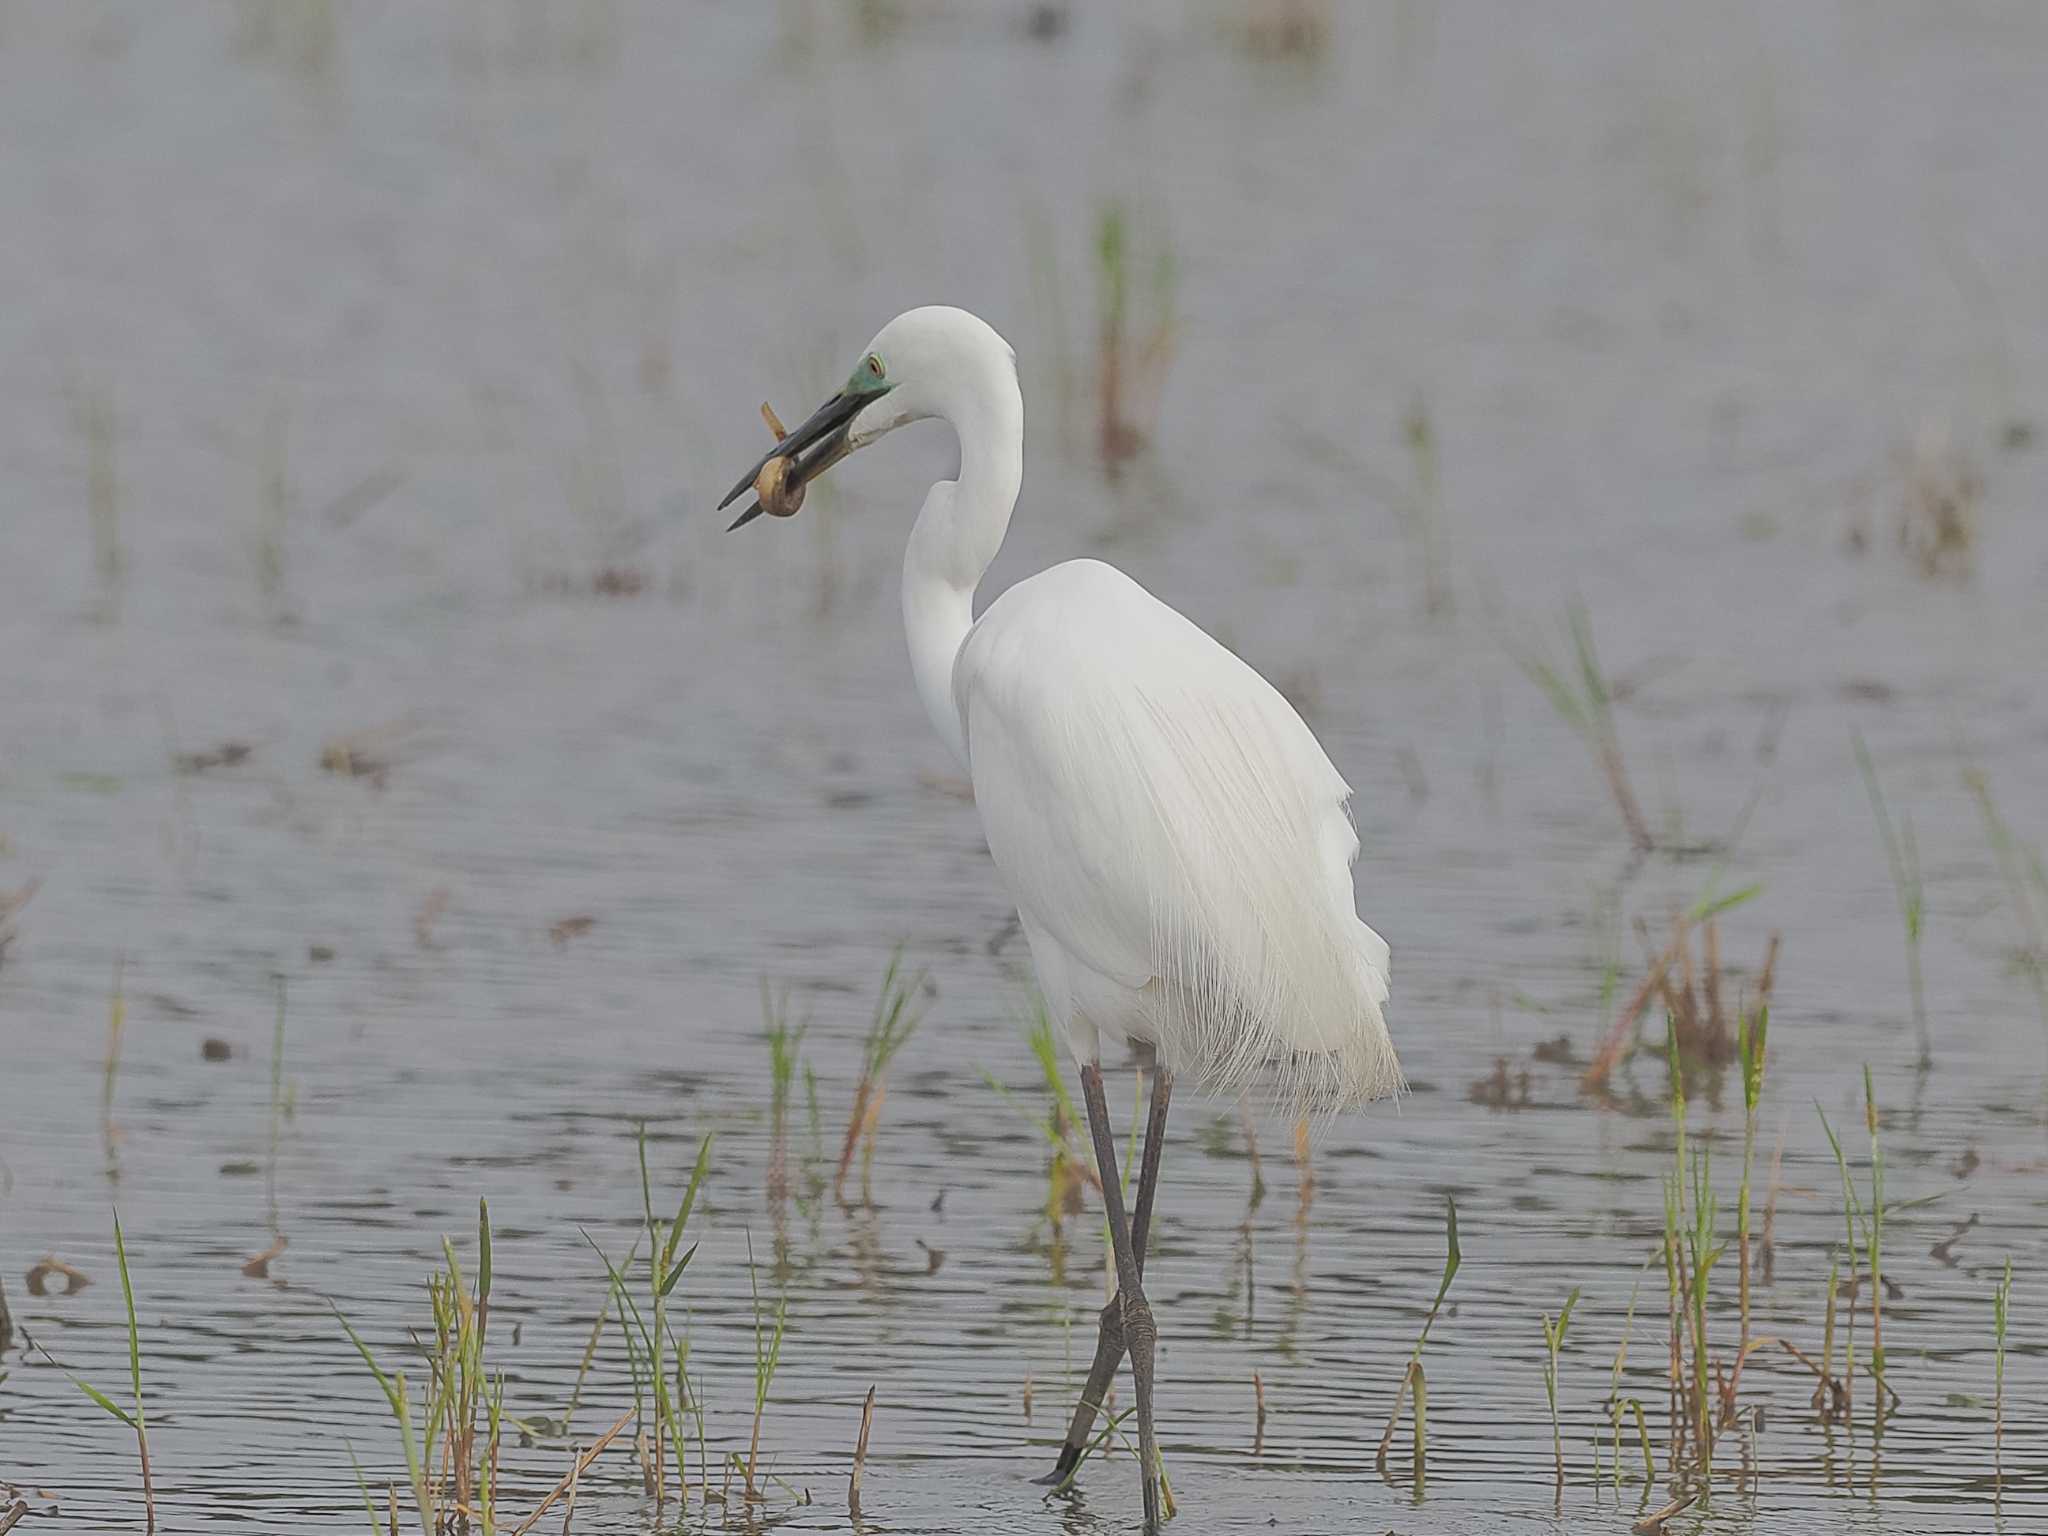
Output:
[[745, 517]]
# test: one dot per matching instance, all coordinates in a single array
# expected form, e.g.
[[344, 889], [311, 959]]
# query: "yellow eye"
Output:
[[874, 365]]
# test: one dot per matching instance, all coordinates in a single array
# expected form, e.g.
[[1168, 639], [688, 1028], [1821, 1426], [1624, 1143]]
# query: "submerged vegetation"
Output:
[[1902, 857], [1583, 697]]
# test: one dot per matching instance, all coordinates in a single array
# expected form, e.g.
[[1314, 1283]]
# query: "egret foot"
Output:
[[1109, 1354], [1142, 1337]]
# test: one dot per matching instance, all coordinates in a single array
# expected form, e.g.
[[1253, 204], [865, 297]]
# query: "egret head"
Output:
[[920, 365]]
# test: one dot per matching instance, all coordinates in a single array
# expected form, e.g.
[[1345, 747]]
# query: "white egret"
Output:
[[1173, 835]]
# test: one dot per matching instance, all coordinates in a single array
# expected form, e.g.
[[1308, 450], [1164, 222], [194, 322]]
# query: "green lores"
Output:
[[871, 379]]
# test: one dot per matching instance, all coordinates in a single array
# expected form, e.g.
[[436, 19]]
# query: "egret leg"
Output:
[[1141, 1334], [1109, 1341]]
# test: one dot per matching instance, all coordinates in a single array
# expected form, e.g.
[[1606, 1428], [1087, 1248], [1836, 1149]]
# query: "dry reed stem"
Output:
[[1827, 1391], [1768, 1259], [1625, 797], [1652, 1524], [148, 1485], [1612, 1048], [575, 1471], [11, 1516], [1259, 1425], [860, 1453], [1715, 1021], [854, 1122], [569, 1505], [1393, 1419]]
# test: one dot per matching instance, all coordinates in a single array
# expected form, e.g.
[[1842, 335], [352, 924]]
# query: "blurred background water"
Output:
[[367, 376]]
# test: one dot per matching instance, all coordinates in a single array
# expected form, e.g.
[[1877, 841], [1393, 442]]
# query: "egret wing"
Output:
[[1162, 812]]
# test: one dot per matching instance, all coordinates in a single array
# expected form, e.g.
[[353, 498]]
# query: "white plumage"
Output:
[[1174, 837], [1175, 840]]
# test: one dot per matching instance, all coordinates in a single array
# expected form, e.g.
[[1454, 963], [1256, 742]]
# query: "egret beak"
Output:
[[814, 447]]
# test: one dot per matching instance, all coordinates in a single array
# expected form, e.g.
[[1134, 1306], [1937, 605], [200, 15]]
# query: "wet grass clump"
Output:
[[898, 1011], [465, 1476]]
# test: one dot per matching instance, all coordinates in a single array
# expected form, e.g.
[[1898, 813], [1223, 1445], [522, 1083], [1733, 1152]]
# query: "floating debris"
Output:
[[429, 913], [226, 755], [367, 754], [51, 1267], [570, 928], [258, 1267]]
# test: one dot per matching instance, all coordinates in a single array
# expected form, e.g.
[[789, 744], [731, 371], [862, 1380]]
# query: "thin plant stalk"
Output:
[[2026, 877], [117, 1018], [1874, 1234], [1751, 1043], [136, 1420], [1852, 1216], [2000, 1300], [276, 1107], [767, 1356], [1412, 1378], [1902, 856], [1586, 704], [135, 1377], [1553, 1341], [1614, 1398], [860, 1455], [1827, 1348]]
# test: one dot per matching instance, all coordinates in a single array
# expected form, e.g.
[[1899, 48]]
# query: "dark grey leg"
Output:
[[1141, 1334], [1109, 1342]]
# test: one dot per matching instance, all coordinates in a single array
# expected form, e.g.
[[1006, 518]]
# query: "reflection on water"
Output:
[[398, 807]]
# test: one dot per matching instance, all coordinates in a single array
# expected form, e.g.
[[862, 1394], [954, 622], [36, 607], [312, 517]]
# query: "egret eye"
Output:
[[874, 365]]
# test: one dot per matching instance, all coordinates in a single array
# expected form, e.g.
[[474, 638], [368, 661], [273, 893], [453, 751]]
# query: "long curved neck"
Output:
[[957, 535]]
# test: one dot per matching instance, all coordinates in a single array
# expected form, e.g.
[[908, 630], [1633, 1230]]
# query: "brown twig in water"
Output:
[[1652, 1524], [1616, 1043], [860, 1454], [896, 1018], [569, 1505], [1827, 1392], [575, 1472], [11, 1516]]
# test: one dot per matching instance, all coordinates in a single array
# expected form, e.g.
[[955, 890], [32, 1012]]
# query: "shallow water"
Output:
[[410, 325]]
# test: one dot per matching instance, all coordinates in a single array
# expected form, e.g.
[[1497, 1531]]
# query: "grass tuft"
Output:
[[898, 1012], [1553, 1342], [1412, 1378], [1584, 700]]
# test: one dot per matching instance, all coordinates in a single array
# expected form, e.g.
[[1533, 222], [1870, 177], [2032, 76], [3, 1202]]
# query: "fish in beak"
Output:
[[822, 440]]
